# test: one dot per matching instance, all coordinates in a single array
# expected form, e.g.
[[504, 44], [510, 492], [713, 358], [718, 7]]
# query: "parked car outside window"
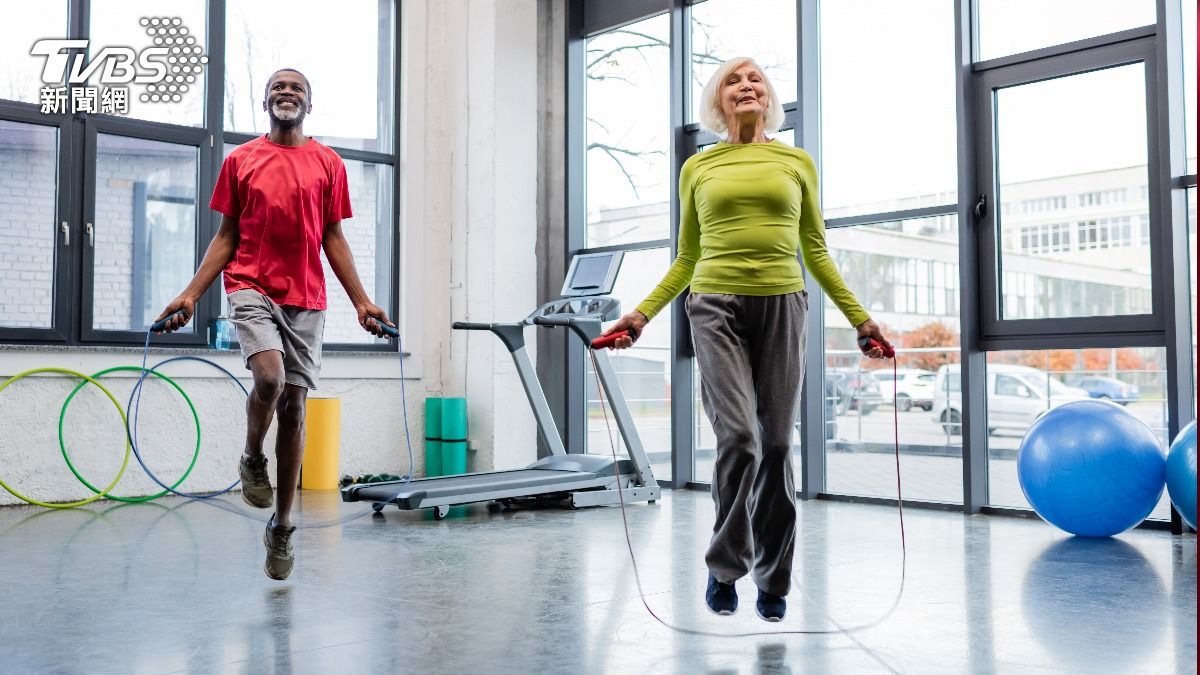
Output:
[[1108, 388], [1016, 396], [855, 390], [914, 387]]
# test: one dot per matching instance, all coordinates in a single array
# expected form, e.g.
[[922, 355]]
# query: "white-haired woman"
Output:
[[748, 205]]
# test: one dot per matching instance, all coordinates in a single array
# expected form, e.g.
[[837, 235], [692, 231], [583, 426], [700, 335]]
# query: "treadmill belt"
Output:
[[467, 488]]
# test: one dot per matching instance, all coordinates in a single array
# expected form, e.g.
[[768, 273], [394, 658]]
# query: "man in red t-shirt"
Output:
[[282, 197]]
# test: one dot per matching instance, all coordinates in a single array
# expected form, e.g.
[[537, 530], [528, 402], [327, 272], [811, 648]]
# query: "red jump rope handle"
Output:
[[866, 344], [606, 341]]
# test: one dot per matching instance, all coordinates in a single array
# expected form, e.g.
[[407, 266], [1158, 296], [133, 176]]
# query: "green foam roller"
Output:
[[433, 458], [433, 417], [454, 419], [454, 457]]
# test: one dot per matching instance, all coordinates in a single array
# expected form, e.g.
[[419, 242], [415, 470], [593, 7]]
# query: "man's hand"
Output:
[[633, 322], [369, 317], [870, 329], [184, 302]]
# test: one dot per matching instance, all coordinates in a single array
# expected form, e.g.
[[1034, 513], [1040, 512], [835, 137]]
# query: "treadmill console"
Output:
[[604, 308], [592, 274]]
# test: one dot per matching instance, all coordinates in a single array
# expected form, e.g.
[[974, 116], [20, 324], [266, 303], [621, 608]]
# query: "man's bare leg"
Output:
[[267, 367], [289, 449], [260, 407]]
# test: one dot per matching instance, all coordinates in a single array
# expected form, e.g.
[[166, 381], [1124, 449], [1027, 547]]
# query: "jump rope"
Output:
[[866, 344], [131, 427]]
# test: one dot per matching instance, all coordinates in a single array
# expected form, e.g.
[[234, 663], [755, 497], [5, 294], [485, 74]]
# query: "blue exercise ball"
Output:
[[1091, 468], [1181, 473]]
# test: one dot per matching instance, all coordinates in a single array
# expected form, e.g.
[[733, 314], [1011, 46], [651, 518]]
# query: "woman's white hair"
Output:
[[711, 116]]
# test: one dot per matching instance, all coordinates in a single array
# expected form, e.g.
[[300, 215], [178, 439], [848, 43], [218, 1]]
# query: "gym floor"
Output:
[[176, 586]]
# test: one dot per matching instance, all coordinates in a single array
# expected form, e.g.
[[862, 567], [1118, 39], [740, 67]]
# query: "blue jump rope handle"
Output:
[[865, 343], [159, 325], [392, 331]]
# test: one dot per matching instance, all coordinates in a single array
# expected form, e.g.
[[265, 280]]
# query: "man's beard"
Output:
[[286, 118]]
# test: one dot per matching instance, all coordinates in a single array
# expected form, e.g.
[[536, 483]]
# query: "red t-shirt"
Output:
[[283, 196]]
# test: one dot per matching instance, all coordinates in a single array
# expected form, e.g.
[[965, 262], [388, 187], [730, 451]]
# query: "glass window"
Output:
[[350, 77], [22, 73], [1084, 137], [887, 106], [764, 30], [644, 370], [628, 133], [1021, 385], [370, 234], [28, 223], [905, 273], [1014, 26], [145, 229], [120, 23]]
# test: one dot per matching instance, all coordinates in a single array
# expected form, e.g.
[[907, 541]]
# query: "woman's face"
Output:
[[744, 93]]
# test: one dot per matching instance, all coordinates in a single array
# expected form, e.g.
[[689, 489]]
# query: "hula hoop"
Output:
[[131, 426], [63, 446], [128, 445]]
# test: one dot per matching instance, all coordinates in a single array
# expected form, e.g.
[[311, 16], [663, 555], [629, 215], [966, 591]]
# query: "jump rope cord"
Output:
[[135, 399], [845, 630]]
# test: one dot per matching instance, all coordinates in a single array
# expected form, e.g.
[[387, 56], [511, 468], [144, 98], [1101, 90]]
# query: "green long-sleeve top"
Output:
[[744, 212]]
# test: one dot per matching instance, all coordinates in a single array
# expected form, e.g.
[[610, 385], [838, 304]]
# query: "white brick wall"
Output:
[[27, 234], [366, 182]]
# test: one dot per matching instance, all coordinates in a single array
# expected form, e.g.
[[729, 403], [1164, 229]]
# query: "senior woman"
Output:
[[747, 206]]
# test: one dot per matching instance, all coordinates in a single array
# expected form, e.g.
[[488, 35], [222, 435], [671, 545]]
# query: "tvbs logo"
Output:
[[117, 62], [167, 70]]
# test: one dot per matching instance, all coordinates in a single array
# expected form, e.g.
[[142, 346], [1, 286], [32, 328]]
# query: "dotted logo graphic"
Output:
[[185, 59]]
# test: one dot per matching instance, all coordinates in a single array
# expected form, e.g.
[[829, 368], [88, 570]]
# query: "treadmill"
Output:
[[575, 478]]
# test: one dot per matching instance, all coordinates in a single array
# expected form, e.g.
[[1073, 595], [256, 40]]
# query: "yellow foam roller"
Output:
[[322, 434]]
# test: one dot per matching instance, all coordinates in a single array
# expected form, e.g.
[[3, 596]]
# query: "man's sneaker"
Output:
[[721, 598], [256, 482], [770, 607], [278, 541]]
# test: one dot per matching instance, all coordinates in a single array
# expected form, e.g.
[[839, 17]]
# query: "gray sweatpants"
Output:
[[751, 355]]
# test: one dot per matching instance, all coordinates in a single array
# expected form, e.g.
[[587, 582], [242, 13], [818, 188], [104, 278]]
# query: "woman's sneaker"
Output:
[[770, 607], [256, 482], [721, 598], [280, 557]]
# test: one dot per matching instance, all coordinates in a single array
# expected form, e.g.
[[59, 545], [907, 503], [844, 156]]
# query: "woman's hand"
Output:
[[871, 330], [633, 322]]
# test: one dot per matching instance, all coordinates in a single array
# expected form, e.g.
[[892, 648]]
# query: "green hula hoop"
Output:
[[124, 462], [63, 446]]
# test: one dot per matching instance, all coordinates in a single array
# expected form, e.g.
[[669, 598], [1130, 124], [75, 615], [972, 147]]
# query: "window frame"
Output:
[[1130, 48], [65, 243]]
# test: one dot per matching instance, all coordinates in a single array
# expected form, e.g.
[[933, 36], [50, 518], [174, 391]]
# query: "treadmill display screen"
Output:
[[591, 272]]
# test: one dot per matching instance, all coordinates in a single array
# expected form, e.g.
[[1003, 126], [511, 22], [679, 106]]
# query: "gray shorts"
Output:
[[294, 332]]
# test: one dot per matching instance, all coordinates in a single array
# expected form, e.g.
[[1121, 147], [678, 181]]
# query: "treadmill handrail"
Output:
[[587, 328]]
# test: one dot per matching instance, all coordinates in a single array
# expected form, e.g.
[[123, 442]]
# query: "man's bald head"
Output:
[[271, 80]]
